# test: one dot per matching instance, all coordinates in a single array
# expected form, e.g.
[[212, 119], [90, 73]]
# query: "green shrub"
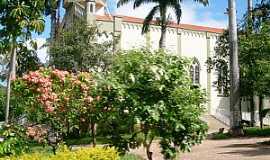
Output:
[[220, 136], [66, 154], [151, 94], [257, 132], [15, 140]]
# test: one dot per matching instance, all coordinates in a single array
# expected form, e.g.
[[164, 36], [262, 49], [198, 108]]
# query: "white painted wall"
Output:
[[131, 36]]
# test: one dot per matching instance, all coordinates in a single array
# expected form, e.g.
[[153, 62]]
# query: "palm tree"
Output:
[[235, 118], [161, 7], [250, 30]]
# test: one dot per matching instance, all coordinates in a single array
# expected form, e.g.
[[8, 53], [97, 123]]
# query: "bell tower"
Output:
[[90, 10]]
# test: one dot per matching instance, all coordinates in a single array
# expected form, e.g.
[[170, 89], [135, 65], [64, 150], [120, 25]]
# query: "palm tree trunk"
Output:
[[162, 41], [11, 76], [250, 7], [235, 114], [250, 16]]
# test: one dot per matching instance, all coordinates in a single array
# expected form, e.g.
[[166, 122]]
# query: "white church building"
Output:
[[197, 42]]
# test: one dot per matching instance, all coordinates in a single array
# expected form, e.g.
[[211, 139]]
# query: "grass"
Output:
[[130, 157], [249, 132], [221, 136], [257, 132], [85, 140]]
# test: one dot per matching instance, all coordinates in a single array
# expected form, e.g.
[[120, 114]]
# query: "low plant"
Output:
[[221, 136], [14, 140], [257, 132], [64, 153]]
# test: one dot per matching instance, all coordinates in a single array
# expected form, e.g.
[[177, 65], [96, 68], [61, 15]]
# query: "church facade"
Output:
[[192, 41]]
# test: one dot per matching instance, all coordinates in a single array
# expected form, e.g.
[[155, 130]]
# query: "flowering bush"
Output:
[[38, 132], [62, 100]]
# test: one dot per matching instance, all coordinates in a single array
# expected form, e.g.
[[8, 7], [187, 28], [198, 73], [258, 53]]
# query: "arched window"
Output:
[[91, 8], [195, 71]]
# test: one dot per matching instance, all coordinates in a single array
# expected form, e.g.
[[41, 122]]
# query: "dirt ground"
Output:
[[232, 149]]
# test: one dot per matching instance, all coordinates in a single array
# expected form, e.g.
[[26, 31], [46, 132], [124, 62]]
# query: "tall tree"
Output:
[[161, 9], [76, 49], [18, 19], [53, 8], [235, 112]]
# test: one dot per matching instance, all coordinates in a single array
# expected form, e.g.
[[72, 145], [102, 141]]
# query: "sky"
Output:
[[212, 15]]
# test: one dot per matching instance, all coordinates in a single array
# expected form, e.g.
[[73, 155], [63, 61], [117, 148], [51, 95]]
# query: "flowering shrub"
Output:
[[38, 132], [62, 100]]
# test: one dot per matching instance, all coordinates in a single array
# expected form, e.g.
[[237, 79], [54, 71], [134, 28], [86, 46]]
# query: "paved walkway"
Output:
[[231, 149]]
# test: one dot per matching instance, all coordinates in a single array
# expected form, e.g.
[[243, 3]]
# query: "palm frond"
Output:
[[178, 12], [138, 3], [123, 2], [149, 18], [204, 2]]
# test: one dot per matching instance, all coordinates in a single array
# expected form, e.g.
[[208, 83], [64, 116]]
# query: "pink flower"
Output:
[[31, 132], [88, 99], [84, 87], [77, 82], [49, 109], [66, 98]]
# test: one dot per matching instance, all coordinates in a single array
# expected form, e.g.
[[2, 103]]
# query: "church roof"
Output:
[[172, 24]]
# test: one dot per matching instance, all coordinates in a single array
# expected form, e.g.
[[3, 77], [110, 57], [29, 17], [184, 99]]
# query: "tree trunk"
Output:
[[53, 25], [149, 153], [235, 117], [260, 110], [162, 41], [58, 23], [93, 133], [147, 146], [11, 76], [252, 111]]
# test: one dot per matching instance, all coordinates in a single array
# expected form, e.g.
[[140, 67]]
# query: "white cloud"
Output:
[[128, 10], [191, 14], [42, 51]]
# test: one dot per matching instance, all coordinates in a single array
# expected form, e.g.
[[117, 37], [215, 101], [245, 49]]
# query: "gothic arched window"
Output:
[[195, 71], [91, 8]]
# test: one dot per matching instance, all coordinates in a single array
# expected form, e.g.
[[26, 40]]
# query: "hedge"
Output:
[[65, 154]]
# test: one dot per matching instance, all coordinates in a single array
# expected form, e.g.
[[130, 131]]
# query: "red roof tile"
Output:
[[173, 24]]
